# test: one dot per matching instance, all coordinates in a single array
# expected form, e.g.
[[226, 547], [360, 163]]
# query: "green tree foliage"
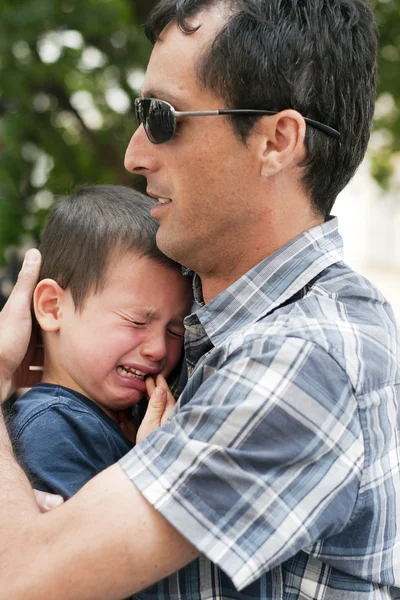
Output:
[[68, 73], [385, 146]]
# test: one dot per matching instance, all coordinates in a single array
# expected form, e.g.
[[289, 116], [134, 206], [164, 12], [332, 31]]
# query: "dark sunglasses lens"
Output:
[[157, 118], [138, 111]]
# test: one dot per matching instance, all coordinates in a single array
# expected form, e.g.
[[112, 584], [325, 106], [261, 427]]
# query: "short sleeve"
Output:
[[62, 448], [262, 458]]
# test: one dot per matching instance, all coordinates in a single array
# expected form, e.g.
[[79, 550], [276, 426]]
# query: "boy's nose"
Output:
[[154, 348]]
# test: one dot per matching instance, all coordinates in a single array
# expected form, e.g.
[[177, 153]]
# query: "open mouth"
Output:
[[129, 372]]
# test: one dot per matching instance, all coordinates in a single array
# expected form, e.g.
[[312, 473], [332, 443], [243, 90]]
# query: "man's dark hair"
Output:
[[315, 56], [86, 230]]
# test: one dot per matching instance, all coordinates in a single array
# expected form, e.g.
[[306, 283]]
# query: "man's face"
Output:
[[129, 329], [205, 172]]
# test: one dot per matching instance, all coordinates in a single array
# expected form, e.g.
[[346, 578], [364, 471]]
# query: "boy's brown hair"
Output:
[[88, 229]]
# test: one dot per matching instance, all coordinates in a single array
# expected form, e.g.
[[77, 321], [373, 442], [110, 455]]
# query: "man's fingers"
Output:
[[21, 295], [47, 502], [15, 322]]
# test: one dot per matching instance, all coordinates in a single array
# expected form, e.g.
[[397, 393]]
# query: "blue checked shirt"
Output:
[[281, 462]]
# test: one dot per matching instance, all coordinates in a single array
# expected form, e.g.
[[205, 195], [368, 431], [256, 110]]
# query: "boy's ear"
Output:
[[47, 301]]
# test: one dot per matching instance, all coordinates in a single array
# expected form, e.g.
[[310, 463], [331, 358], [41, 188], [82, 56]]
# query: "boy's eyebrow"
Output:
[[148, 313], [151, 313]]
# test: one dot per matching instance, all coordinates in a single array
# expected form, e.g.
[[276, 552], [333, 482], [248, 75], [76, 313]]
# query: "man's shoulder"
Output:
[[338, 305], [343, 314]]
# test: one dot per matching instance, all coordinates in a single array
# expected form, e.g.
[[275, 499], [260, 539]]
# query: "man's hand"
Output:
[[16, 329], [161, 405]]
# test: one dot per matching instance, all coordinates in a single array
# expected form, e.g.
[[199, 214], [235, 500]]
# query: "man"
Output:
[[278, 476]]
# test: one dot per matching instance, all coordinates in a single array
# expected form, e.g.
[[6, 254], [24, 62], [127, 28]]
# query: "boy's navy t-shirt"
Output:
[[63, 439]]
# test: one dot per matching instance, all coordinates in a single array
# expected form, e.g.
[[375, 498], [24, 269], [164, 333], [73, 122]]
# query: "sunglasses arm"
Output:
[[195, 113], [249, 111]]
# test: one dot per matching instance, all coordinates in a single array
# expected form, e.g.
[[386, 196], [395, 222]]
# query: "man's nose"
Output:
[[140, 155]]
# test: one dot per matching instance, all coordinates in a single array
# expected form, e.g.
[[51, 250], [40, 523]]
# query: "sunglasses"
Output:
[[159, 118]]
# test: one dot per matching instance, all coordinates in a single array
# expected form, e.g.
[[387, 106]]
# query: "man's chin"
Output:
[[170, 246]]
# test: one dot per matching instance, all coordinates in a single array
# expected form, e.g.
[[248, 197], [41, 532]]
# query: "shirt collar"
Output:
[[270, 283]]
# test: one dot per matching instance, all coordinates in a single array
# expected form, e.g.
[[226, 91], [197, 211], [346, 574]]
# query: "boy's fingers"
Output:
[[154, 413], [161, 382], [150, 386], [47, 502], [156, 407], [160, 406]]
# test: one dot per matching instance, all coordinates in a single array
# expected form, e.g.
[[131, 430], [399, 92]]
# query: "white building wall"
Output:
[[369, 222]]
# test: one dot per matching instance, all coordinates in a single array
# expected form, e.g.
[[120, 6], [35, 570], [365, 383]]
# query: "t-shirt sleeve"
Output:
[[263, 460], [61, 449]]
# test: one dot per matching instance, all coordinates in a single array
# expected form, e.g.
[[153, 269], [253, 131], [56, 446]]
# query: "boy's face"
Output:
[[131, 328]]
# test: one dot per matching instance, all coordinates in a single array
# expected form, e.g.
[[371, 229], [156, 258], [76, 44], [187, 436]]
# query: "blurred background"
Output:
[[69, 72]]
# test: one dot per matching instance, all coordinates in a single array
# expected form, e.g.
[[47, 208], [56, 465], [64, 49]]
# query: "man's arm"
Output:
[[106, 542]]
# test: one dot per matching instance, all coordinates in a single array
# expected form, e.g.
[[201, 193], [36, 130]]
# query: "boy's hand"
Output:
[[46, 501], [161, 405], [16, 328]]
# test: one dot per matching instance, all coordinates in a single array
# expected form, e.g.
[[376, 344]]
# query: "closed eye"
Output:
[[177, 334]]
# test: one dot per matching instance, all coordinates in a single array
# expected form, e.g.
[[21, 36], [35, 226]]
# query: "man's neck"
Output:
[[238, 261]]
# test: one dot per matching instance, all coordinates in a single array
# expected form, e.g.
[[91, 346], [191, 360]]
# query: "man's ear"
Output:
[[281, 141], [47, 302]]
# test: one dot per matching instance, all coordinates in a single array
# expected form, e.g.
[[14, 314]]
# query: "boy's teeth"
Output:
[[163, 200], [128, 372]]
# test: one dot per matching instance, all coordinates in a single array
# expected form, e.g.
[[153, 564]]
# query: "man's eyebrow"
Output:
[[160, 95]]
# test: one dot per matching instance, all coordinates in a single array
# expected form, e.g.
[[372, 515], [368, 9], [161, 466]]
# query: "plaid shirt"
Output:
[[281, 462]]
